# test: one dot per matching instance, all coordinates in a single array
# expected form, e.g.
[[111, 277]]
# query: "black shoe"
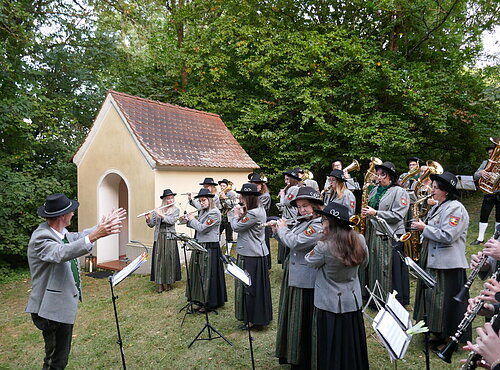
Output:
[[477, 242]]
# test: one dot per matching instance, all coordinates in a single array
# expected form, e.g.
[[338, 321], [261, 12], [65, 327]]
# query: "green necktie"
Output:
[[74, 270]]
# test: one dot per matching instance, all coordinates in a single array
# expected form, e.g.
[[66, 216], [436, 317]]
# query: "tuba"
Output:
[[228, 188], [308, 175], [369, 180], [491, 183]]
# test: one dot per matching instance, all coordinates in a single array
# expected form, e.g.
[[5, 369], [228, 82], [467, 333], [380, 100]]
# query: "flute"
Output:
[[156, 209], [274, 222], [185, 214]]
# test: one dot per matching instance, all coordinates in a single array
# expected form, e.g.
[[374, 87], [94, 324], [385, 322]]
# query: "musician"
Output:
[[338, 192], [265, 201], [55, 272], [443, 256], [253, 304], [336, 164], [206, 265], [293, 339], [487, 346], [286, 195], [338, 319], [210, 184], [490, 201], [228, 199], [412, 164], [165, 264], [308, 181], [390, 202]]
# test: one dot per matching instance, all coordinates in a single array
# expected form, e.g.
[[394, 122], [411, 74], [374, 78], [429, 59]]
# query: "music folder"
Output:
[[391, 325]]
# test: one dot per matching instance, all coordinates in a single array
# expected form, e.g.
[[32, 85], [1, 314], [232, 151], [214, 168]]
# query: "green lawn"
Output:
[[151, 331]]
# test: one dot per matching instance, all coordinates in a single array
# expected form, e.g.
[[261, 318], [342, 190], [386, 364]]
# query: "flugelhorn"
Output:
[[354, 166], [156, 209]]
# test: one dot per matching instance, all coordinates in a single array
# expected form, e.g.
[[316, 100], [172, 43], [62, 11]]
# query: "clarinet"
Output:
[[473, 358], [447, 352], [463, 292]]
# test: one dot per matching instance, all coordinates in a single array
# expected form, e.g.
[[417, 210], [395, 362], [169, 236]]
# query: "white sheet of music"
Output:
[[399, 311], [131, 267], [238, 273], [394, 336]]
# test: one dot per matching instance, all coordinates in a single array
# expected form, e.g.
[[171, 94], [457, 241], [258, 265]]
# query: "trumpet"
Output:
[[156, 209], [289, 220]]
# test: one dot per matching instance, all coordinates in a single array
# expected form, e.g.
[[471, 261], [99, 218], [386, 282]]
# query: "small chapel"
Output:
[[135, 149]]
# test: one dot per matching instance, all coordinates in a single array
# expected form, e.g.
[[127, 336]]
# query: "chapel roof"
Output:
[[177, 136]]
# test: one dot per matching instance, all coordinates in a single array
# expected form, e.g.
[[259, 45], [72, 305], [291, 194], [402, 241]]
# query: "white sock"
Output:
[[482, 230]]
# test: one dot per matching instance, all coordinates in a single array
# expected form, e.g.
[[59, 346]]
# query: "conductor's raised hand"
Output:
[[111, 224]]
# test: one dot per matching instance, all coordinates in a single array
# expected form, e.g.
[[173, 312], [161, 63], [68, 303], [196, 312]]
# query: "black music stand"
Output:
[[115, 280], [243, 276], [185, 245], [189, 306]]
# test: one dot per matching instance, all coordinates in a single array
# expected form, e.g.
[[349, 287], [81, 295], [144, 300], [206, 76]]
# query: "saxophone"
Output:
[[491, 183], [369, 180]]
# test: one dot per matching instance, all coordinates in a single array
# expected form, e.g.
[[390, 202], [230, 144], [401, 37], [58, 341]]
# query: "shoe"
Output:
[[246, 327], [477, 242]]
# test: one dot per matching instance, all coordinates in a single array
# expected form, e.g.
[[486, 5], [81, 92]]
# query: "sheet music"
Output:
[[394, 337], [428, 279], [130, 268], [238, 273], [399, 311]]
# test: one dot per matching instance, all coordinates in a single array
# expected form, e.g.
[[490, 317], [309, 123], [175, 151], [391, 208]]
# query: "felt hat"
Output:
[[337, 211], [225, 181], [447, 180], [387, 167], [166, 193], [338, 174], [204, 193], [307, 192], [293, 173], [208, 181], [57, 205], [256, 178], [248, 189]]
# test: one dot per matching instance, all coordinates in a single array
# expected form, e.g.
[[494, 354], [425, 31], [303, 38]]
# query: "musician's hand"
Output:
[[431, 202], [189, 196], [487, 310], [282, 192], [222, 195], [487, 343], [418, 225], [484, 174], [238, 211], [368, 211], [492, 248], [492, 287], [281, 223], [148, 217], [189, 216], [476, 259]]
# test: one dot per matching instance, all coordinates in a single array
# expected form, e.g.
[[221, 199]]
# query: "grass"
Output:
[[153, 337]]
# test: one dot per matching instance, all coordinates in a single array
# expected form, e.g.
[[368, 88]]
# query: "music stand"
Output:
[[193, 245], [243, 276], [115, 280]]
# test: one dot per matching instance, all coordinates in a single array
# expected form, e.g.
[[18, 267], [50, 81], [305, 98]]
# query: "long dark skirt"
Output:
[[165, 263], [386, 267], [206, 277], [339, 341], [444, 313], [293, 338], [258, 296]]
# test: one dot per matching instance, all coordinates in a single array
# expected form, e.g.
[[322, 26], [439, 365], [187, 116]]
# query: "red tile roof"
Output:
[[177, 136]]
